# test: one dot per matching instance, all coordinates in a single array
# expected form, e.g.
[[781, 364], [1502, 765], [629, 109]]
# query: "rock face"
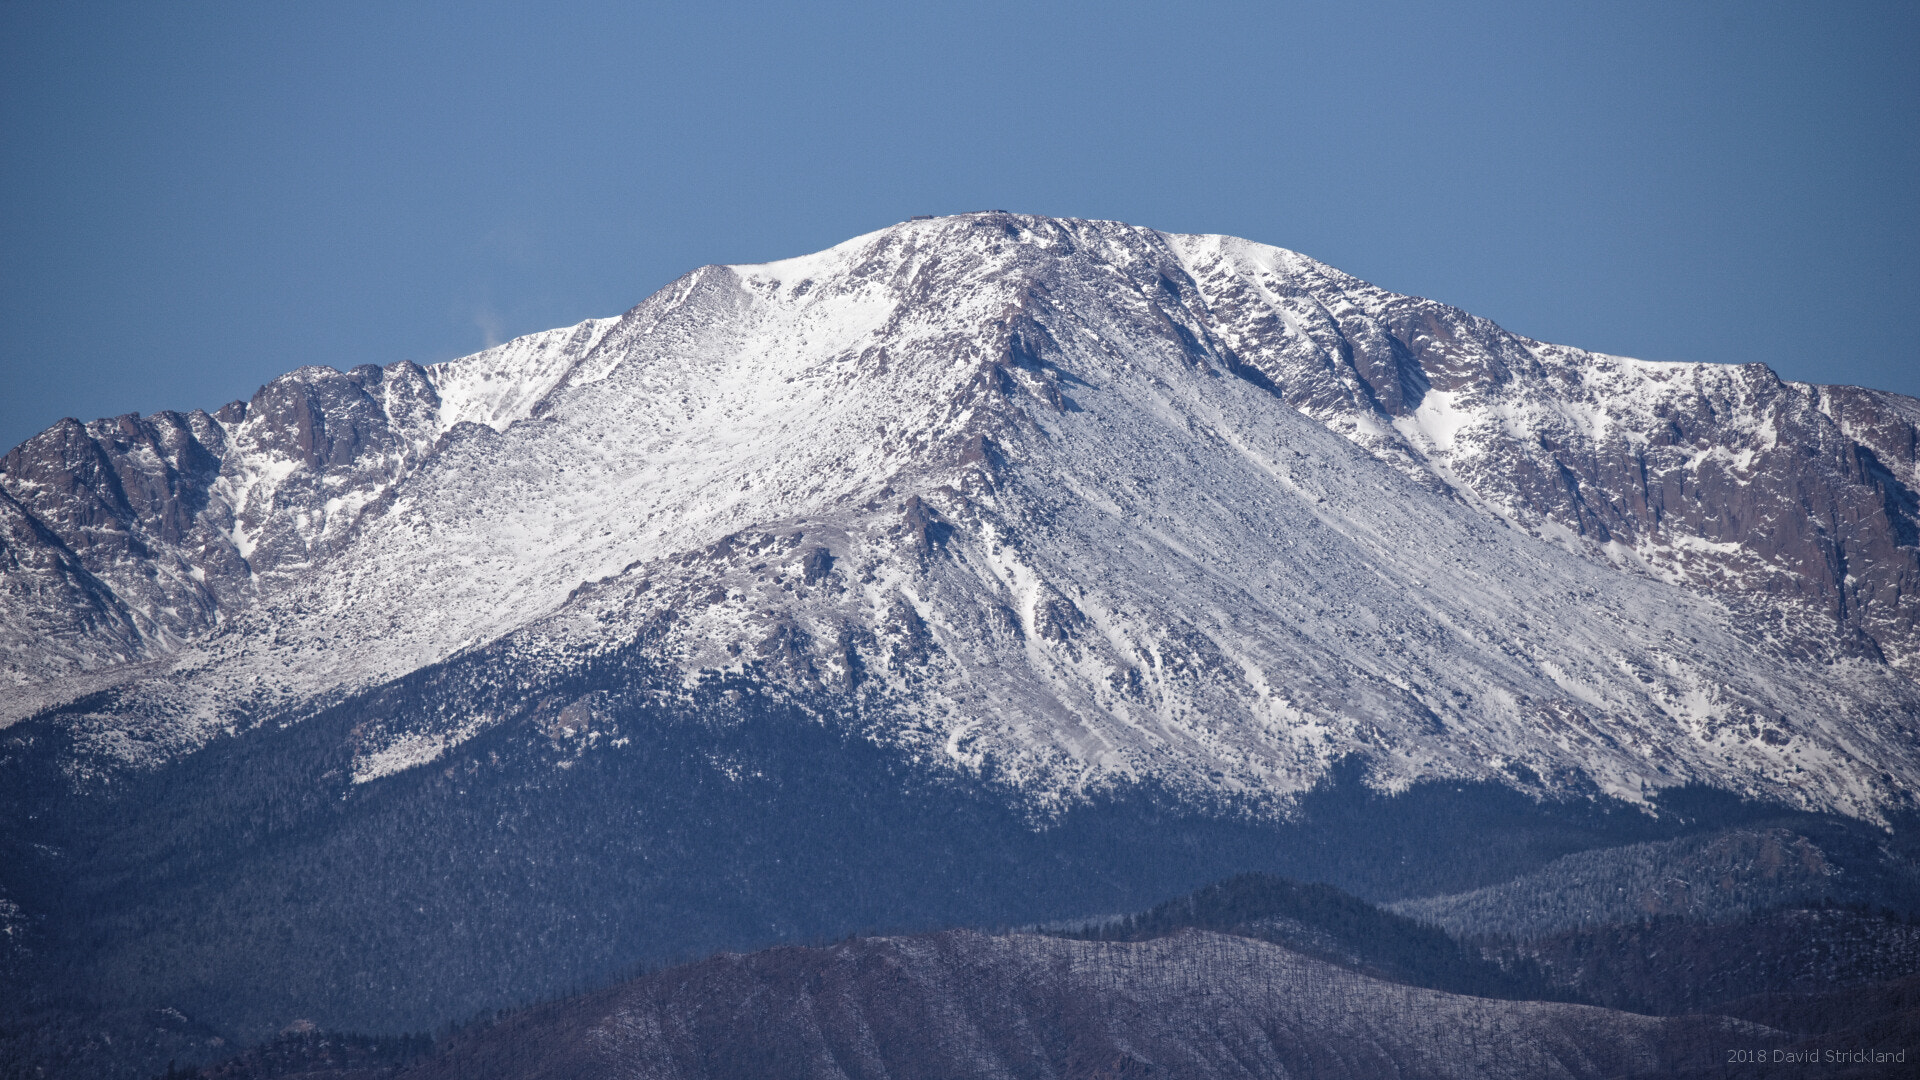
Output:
[[1068, 505], [61, 617], [185, 518], [127, 538], [961, 1004]]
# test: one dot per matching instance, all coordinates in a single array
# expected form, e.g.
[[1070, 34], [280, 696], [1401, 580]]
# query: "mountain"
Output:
[[1081, 503], [982, 570]]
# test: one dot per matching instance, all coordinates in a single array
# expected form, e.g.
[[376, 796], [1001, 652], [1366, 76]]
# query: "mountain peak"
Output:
[[1098, 506]]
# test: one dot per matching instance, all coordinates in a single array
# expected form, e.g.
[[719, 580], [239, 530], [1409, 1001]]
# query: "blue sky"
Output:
[[197, 197]]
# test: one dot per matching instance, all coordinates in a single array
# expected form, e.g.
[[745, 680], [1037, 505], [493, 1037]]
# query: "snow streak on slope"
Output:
[[1025, 502]]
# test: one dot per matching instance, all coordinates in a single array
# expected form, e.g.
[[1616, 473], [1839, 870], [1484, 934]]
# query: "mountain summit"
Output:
[[1070, 505]]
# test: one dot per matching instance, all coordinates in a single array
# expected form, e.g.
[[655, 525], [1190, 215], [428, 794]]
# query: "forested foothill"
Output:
[[1248, 976]]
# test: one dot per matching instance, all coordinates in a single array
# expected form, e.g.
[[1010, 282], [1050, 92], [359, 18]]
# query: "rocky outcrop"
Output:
[[61, 616], [127, 502], [315, 449], [175, 517], [129, 536]]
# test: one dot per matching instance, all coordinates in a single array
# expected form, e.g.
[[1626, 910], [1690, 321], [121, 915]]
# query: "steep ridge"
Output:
[[62, 617], [1718, 477], [1028, 495], [160, 528]]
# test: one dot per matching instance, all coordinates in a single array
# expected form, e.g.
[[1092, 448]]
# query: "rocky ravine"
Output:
[[1071, 504]]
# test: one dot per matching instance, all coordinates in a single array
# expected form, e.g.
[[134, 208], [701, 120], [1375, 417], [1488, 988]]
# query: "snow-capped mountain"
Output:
[[1072, 505]]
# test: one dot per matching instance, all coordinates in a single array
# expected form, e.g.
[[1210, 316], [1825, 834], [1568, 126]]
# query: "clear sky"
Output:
[[197, 197]]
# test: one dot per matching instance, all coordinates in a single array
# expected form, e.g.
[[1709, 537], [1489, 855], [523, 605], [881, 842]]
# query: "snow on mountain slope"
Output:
[[1068, 504], [174, 523], [508, 382], [1795, 501]]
